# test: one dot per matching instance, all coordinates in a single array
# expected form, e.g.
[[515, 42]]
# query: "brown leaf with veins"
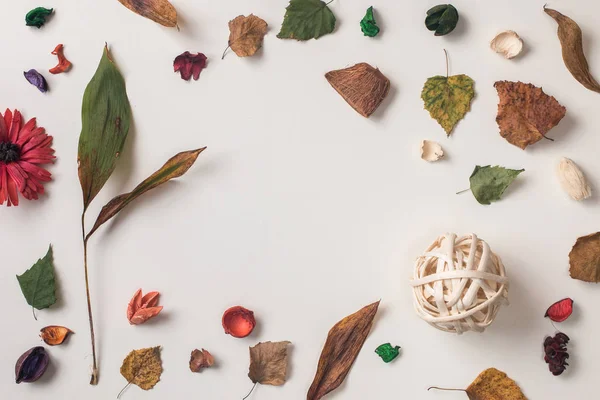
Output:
[[491, 384], [343, 344], [526, 113], [142, 368], [141, 309], [584, 258], [268, 363], [246, 35]]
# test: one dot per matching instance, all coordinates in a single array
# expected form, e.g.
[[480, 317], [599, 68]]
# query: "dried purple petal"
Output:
[[31, 365], [189, 65], [37, 80]]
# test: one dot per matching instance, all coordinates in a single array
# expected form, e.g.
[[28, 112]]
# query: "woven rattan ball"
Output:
[[459, 284]]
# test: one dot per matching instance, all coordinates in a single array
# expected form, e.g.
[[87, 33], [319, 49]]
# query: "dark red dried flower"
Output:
[[555, 353], [560, 311], [188, 64], [238, 321]]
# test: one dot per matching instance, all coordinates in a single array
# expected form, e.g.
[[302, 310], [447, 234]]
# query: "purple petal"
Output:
[[37, 80]]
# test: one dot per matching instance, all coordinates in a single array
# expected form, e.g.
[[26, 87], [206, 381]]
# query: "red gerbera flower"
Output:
[[22, 149]]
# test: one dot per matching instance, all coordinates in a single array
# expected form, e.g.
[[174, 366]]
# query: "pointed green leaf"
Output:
[[368, 26], [448, 99], [38, 284], [306, 19], [105, 119], [488, 183], [175, 167]]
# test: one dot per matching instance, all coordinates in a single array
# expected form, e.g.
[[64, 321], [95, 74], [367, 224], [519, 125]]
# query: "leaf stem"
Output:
[[33, 312], [94, 377], [329, 2], [253, 386], [439, 388], [227, 48], [122, 390], [462, 191], [447, 69]]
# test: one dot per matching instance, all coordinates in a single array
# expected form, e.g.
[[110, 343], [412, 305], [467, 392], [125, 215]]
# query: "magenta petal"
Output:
[[188, 64]]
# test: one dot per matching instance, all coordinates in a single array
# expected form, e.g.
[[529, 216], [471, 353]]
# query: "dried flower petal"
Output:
[[189, 65], [54, 335], [431, 151], [141, 309], [555, 353], [238, 321], [31, 365], [507, 43], [37, 16], [572, 180], [560, 311], [63, 64], [37, 80], [201, 359]]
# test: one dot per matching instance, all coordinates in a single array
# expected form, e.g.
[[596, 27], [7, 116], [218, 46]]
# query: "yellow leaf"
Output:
[[143, 367]]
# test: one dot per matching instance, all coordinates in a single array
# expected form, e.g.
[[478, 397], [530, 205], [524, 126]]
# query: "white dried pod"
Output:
[[431, 151], [507, 43], [572, 180]]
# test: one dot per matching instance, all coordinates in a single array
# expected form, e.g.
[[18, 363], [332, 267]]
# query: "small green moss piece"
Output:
[[387, 352], [368, 25], [37, 16]]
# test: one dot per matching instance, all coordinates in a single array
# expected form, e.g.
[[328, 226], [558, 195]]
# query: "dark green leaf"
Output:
[[306, 19], [105, 119], [38, 284], [37, 16], [175, 167], [387, 352], [488, 183], [442, 19], [368, 26]]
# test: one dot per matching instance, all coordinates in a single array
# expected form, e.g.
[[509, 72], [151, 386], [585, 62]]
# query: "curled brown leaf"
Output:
[[54, 335], [159, 11], [246, 35]]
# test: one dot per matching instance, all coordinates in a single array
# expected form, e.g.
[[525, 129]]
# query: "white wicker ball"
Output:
[[459, 284]]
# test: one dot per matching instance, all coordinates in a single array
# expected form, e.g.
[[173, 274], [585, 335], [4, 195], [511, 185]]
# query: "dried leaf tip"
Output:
[[572, 180]]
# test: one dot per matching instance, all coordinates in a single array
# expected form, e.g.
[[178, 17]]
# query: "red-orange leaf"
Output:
[[175, 167]]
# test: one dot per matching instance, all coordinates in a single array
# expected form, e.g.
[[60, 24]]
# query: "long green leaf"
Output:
[[175, 167], [105, 119], [38, 284]]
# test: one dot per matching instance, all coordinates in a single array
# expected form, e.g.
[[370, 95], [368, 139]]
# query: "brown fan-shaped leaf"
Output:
[[526, 113], [362, 86], [268, 363], [584, 258], [246, 34]]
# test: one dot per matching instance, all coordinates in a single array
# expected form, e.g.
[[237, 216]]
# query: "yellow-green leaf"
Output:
[[105, 119], [175, 167], [448, 99]]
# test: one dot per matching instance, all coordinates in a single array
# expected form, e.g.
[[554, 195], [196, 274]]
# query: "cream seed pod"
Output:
[[507, 43], [572, 180], [431, 151]]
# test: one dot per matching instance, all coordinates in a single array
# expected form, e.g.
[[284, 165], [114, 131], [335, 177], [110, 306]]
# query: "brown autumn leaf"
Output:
[[54, 335], [584, 258], [362, 86], [571, 42], [526, 113], [343, 344], [174, 168], [268, 363], [160, 11], [246, 35], [201, 359], [491, 384], [142, 368]]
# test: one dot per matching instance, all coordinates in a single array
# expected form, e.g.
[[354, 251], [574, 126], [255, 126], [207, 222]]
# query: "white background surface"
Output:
[[300, 209]]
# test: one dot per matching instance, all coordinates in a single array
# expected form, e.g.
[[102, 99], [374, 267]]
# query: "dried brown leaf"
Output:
[[159, 11], [570, 36], [493, 384], [343, 344], [362, 86], [584, 258], [246, 34], [526, 113], [201, 359], [143, 367], [268, 363]]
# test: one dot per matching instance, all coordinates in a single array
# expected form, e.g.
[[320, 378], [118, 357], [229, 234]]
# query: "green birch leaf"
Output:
[[306, 19], [38, 284], [488, 183], [368, 26], [448, 99], [105, 119], [175, 167]]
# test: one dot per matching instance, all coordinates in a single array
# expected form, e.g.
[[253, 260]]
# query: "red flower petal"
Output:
[[150, 299], [144, 314], [560, 311], [188, 64], [134, 304]]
